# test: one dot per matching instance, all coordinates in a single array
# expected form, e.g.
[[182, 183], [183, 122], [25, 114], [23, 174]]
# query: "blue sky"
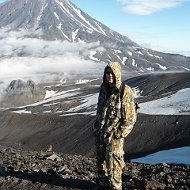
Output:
[[157, 24]]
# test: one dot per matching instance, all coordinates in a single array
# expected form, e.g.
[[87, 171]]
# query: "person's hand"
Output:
[[117, 134]]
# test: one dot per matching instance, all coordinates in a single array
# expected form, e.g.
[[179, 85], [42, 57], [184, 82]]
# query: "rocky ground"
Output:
[[51, 170]]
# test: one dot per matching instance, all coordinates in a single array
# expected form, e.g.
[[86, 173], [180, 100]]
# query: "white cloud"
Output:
[[44, 61], [48, 69], [16, 44], [147, 7]]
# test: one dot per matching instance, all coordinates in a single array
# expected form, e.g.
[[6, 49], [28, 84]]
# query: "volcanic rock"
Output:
[[20, 93], [33, 170]]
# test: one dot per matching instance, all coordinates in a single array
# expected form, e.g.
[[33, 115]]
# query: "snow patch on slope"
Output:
[[176, 104]]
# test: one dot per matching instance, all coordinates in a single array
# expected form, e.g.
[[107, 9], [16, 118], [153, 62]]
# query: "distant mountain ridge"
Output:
[[62, 20]]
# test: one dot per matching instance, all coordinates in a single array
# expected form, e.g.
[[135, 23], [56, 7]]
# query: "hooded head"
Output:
[[116, 69]]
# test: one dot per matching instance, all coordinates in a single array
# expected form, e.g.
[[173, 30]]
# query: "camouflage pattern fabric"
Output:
[[115, 118]]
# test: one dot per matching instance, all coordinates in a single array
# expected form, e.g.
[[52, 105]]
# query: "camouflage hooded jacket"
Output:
[[116, 110]]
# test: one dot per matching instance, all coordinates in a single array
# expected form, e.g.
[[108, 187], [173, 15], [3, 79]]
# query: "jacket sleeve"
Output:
[[95, 127], [128, 113]]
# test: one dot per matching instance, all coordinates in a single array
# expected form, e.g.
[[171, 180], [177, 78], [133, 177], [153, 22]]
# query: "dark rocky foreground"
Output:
[[50, 170]]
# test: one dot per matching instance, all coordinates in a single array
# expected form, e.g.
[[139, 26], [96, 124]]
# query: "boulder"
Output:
[[20, 93]]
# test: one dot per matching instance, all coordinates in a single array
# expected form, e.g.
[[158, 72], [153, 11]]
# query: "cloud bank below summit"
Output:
[[40, 60], [16, 44]]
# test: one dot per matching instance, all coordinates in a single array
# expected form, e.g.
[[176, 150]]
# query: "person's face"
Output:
[[110, 77]]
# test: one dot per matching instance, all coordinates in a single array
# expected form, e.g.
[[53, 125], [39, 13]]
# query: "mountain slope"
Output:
[[62, 20], [58, 19]]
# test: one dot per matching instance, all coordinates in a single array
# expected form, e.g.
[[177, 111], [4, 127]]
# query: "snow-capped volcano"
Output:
[[61, 20], [58, 20]]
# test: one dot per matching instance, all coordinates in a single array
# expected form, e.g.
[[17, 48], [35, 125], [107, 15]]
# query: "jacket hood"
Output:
[[116, 68]]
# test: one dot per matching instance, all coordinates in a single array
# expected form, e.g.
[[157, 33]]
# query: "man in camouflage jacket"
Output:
[[116, 116]]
